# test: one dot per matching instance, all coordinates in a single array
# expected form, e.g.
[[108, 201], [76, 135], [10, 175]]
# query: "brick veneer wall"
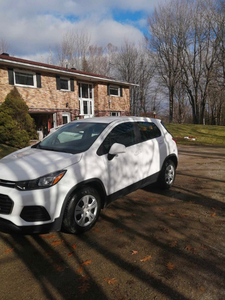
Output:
[[111, 103], [48, 99], [47, 96]]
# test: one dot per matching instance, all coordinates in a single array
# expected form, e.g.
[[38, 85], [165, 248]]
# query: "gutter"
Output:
[[68, 73]]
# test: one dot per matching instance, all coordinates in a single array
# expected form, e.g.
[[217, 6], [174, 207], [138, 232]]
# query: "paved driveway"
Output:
[[150, 244]]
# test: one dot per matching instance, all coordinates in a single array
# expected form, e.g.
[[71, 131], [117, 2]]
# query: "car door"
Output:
[[151, 142], [121, 170]]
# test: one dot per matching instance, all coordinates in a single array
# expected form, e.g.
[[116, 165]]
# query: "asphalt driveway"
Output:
[[151, 244]]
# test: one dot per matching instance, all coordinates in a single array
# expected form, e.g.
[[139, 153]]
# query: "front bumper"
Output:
[[33, 210], [8, 227]]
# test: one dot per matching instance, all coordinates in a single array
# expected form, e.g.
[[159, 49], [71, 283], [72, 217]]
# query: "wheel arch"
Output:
[[172, 157], [94, 183]]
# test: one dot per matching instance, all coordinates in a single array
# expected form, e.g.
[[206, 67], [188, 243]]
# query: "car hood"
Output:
[[31, 163]]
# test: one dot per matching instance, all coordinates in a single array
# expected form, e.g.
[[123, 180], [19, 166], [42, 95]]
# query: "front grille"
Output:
[[34, 213], [6, 204]]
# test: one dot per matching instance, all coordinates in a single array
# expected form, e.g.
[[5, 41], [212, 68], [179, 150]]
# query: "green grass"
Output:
[[5, 150], [204, 134]]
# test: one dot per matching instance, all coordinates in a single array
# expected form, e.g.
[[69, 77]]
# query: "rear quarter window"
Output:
[[148, 131]]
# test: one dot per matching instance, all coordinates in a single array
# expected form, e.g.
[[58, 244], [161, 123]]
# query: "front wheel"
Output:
[[167, 175], [82, 210]]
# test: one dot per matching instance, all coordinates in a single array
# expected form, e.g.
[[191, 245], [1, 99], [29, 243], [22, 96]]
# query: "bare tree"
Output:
[[72, 52], [219, 16], [199, 57], [132, 64], [168, 26], [4, 46]]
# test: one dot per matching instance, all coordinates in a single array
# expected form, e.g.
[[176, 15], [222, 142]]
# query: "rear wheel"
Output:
[[82, 210], [167, 175]]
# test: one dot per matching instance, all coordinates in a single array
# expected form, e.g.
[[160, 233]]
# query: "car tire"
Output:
[[167, 174], [82, 210]]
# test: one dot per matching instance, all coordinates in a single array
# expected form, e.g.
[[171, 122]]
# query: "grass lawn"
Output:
[[5, 150], [203, 134]]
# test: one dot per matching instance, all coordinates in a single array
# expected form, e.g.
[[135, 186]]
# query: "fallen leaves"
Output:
[[134, 252], [190, 249], [202, 289], [170, 266], [148, 257], [173, 244], [172, 215], [47, 236], [85, 263], [56, 242], [59, 268], [110, 281], [71, 253], [9, 250]]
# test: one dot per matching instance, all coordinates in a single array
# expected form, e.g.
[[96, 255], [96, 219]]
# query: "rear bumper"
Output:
[[9, 227]]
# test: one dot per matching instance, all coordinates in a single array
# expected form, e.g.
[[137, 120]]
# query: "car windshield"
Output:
[[72, 138]]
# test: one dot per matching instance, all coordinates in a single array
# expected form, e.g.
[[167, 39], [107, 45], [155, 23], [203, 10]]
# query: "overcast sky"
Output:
[[32, 27]]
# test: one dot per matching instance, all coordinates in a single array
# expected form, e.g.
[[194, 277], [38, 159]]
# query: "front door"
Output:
[[86, 99], [123, 168]]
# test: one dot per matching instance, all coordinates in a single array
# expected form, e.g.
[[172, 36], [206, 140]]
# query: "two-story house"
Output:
[[57, 95]]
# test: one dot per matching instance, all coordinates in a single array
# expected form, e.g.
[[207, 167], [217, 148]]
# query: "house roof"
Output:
[[80, 75]]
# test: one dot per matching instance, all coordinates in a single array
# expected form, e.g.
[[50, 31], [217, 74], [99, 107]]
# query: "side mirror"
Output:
[[115, 150]]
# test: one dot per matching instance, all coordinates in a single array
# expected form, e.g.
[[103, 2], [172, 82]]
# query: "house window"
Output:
[[86, 99], [64, 84], [114, 90], [22, 78], [114, 113], [66, 117]]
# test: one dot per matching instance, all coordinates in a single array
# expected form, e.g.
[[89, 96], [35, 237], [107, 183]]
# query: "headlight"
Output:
[[41, 182]]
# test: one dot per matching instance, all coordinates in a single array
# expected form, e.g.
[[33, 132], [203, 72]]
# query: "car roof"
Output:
[[108, 120]]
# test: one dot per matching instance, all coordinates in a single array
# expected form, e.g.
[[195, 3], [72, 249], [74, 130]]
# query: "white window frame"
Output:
[[66, 114], [117, 113], [114, 87], [25, 72], [89, 100], [65, 78]]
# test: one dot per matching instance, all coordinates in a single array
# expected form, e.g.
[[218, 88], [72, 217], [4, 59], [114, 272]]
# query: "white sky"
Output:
[[31, 27]]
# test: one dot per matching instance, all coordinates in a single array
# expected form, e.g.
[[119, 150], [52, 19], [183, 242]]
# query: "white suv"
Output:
[[67, 178]]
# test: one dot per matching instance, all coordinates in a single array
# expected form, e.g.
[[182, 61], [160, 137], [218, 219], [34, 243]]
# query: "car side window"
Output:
[[122, 134], [148, 131]]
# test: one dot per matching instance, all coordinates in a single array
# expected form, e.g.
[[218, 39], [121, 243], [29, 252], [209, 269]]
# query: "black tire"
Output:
[[167, 175], [82, 210]]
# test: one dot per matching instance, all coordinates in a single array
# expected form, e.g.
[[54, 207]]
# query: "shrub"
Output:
[[16, 125]]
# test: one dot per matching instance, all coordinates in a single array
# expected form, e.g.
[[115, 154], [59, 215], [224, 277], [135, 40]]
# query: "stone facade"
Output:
[[47, 100], [46, 97], [107, 104]]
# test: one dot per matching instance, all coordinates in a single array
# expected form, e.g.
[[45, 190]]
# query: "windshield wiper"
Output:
[[54, 149]]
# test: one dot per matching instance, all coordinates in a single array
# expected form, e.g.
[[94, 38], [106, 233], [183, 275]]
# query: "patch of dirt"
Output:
[[151, 244]]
